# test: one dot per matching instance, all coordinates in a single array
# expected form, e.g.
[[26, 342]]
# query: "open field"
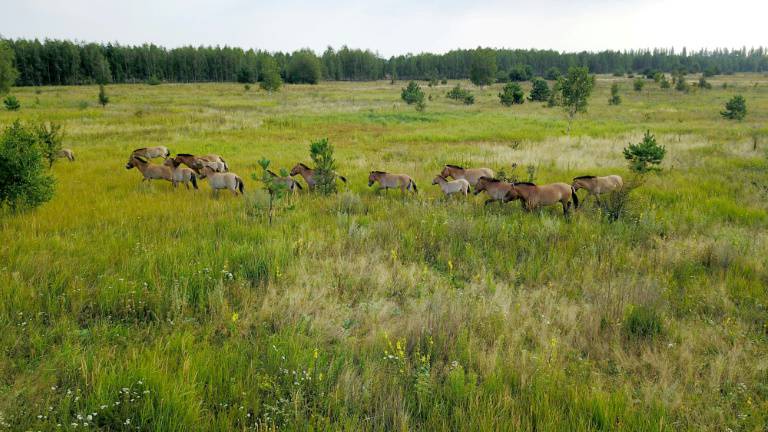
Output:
[[162, 309]]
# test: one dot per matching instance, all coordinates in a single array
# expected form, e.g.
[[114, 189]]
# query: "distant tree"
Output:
[[321, 152], [552, 74], [645, 154], [11, 103], [539, 90], [50, 137], [412, 94], [103, 98], [555, 95], [304, 68], [638, 84], [735, 109], [461, 94], [681, 84], [511, 94], [704, 84], [521, 73], [575, 89], [482, 71], [23, 180], [663, 82], [502, 77], [656, 77], [8, 72], [711, 71], [269, 75], [615, 98], [246, 75]]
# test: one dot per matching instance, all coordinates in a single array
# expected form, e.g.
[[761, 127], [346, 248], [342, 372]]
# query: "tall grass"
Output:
[[133, 306]]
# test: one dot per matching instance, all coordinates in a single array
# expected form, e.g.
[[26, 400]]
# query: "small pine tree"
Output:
[[277, 190], [644, 155], [412, 94], [638, 84], [735, 109], [50, 137], [681, 84], [269, 77], [555, 96], [103, 98], [321, 152], [615, 99], [663, 82], [539, 90], [11, 103], [521, 73], [704, 84], [464, 95], [511, 94]]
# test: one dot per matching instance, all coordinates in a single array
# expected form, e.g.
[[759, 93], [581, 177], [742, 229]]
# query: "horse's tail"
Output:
[[193, 177], [342, 178], [575, 198], [415, 189], [240, 185], [298, 185], [226, 167]]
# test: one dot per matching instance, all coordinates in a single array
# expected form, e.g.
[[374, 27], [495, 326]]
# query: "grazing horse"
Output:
[[180, 174], [598, 185], [288, 182], [390, 181], [152, 152], [309, 174], [452, 186], [149, 170], [533, 196], [66, 153], [197, 162], [472, 175], [496, 189], [226, 180]]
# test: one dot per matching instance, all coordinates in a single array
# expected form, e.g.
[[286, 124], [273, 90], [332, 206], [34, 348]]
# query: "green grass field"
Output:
[[128, 306]]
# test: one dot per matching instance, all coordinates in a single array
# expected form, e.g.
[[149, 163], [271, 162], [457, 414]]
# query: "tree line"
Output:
[[62, 62]]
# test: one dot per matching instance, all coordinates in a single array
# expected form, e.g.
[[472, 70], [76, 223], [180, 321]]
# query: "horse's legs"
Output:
[[597, 198], [489, 200]]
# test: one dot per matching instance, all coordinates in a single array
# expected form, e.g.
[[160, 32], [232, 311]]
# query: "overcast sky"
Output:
[[395, 26]]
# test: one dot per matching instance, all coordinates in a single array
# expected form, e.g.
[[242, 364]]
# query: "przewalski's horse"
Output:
[[598, 185], [66, 153], [152, 152], [452, 186], [390, 181], [472, 175], [180, 174], [309, 174], [288, 182], [496, 189], [533, 196], [226, 180], [197, 162], [149, 170]]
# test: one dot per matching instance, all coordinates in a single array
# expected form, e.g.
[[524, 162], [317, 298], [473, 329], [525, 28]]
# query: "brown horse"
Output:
[[496, 189], [66, 153], [149, 170], [533, 196], [216, 162], [472, 175], [288, 182], [152, 152], [598, 185], [309, 174], [390, 181]]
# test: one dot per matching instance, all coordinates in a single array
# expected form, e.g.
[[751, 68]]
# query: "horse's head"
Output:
[[171, 162], [296, 169], [438, 179], [482, 184], [373, 177], [582, 182], [134, 161], [205, 171]]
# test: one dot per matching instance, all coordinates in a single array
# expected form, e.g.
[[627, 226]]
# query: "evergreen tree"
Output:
[[412, 94], [644, 155], [735, 109], [103, 98], [8, 72], [50, 137], [321, 152], [511, 94], [615, 99], [11, 103], [539, 90], [483, 69], [638, 84], [270, 74], [521, 73]]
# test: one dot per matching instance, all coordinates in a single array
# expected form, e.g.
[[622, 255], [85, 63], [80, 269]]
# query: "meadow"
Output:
[[134, 306]]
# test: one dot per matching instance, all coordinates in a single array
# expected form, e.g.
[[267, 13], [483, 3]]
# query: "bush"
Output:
[[246, 75], [103, 98], [303, 68], [552, 74], [11, 103], [511, 94], [321, 152], [521, 73], [412, 94], [642, 322], [615, 99], [555, 95], [23, 180], [50, 137], [154, 80], [681, 84], [464, 95], [663, 82], [539, 90], [269, 75], [638, 84], [704, 84], [711, 71], [657, 77], [643, 155], [444, 81], [735, 109]]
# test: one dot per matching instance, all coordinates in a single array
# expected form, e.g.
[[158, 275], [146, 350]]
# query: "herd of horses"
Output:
[[453, 179]]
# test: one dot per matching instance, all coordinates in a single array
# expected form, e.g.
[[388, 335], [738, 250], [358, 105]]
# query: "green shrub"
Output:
[[103, 98], [154, 80], [269, 76], [638, 84], [735, 109], [412, 94], [50, 137], [615, 99], [681, 84], [511, 94], [711, 71], [464, 95], [539, 90], [11, 103], [246, 75], [321, 152], [552, 74], [521, 73], [704, 84], [23, 180], [642, 322], [663, 82], [644, 155]]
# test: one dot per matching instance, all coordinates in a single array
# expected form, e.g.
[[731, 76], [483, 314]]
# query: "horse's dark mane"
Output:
[[304, 165], [271, 173], [584, 177], [143, 148], [524, 183], [378, 172], [184, 154], [453, 166], [490, 179]]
